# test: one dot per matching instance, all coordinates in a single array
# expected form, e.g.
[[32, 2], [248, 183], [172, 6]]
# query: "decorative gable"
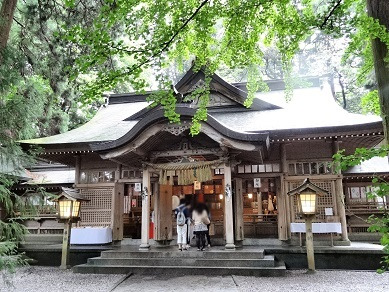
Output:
[[223, 94]]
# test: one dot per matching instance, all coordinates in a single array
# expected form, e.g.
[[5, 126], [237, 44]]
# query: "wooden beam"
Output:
[[228, 142], [313, 177], [135, 145], [172, 153]]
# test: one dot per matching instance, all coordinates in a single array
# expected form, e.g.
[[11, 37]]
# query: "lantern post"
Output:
[[69, 202], [307, 196]]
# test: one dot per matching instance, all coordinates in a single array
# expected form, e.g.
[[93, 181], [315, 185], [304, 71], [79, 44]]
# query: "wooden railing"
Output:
[[367, 208], [254, 218]]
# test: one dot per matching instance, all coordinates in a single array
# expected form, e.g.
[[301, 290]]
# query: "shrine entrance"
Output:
[[170, 161], [192, 182], [260, 207]]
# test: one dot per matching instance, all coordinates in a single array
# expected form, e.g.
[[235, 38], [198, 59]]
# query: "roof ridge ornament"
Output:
[[175, 129]]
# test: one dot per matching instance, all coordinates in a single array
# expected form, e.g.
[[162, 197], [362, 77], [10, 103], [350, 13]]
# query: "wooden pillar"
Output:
[[117, 211], [66, 243], [289, 206], [340, 197], [238, 207], [163, 214], [259, 200], [145, 209], [309, 243], [77, 170], [228, 214], [281, 208], [283, 199], [341, 208]]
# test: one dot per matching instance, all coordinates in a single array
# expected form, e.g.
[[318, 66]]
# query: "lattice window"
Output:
[[310, 167], [259, 168], [325, 201], [96, 212]]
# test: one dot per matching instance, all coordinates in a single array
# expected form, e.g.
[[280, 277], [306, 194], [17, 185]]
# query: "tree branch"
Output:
[[330, 13], [168, 43], [18, 22], [340, 81]]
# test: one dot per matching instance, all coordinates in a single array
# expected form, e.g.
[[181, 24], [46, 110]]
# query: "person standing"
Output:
[[208, 227], [182, 214], [201, 220]]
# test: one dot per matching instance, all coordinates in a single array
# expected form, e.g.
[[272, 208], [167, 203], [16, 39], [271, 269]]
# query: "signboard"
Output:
[[138, 187], [257, 182], [328, 211], [133, 203], [197, 185]]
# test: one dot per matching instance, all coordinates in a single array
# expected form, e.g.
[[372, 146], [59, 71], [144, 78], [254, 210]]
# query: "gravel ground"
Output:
[[53, 279]]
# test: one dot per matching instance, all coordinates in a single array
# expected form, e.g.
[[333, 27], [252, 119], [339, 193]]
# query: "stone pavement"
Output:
[[55, 280]]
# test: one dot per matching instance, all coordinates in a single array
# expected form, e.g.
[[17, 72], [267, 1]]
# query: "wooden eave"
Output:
[[374, 128], [158, 115], [307, 185]]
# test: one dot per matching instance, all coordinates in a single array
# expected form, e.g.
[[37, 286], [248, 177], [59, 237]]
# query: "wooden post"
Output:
[[163, 214], [156, 194], [281, 208], [341, 208], [228, 214], [145, 209], [238, 204], [284, 209], [309, 243], [259, 200], [340, 197], [66, 243], [77, 169], [117, 211]]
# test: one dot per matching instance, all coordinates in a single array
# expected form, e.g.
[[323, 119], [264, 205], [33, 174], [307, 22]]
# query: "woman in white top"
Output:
[[200, 218]]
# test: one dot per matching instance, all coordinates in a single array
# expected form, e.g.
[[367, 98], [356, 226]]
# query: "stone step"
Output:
[[43, 238], [192, 253], [268, 261], [278, 270]]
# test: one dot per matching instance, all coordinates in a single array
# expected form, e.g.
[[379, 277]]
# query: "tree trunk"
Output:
[[380, 10], [6, 18]]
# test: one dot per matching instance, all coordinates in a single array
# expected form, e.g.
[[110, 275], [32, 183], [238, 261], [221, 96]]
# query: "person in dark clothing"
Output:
[[208, 226]]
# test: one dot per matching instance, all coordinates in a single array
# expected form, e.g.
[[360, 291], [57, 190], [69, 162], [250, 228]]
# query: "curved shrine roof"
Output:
[[107, 125], [311, 109], [308, 108]]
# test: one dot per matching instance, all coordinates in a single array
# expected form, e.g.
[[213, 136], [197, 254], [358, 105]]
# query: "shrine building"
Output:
[[134, 165]]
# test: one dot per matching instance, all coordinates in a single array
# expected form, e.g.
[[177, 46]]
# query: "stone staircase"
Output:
[[248, 262]]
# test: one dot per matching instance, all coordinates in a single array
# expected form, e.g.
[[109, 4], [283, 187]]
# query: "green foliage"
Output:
[[151, 34], [361, 154], [215, 34], [371, 103], [9, 259], [380, 190], [23, 103], [381, 224], [36, 49]]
